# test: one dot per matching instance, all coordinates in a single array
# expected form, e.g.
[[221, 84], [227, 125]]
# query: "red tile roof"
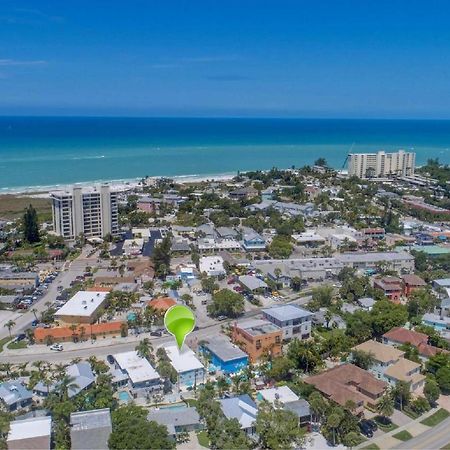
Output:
[[345, 382], [402, 336], [413, 280], [162, 304]]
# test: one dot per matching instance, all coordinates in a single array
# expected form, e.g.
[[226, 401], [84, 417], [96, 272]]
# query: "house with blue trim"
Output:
[[252, 241], [191, 372], [14, 395], [225, 356]]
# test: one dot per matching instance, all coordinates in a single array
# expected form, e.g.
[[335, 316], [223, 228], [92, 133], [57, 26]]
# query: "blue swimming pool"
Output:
[[124, 396], [176, 406]]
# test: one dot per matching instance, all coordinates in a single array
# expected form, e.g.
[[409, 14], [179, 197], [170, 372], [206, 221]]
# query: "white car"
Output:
[[57, 347]]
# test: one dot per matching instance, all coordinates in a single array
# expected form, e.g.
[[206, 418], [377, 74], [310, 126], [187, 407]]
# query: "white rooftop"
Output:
[[30, 428], [83, 303], [281, 393], [138, 369], [211, 264], [183, 360]]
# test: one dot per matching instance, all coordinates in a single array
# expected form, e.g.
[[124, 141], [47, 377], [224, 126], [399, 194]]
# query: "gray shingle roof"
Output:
[[242, 408], [299, 407], [12, 392], [175, 417]]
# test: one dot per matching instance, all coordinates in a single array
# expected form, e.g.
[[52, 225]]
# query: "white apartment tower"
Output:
[[381, 164], [92, 211]]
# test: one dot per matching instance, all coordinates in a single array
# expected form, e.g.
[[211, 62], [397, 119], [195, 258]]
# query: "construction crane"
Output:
[[346, 158]]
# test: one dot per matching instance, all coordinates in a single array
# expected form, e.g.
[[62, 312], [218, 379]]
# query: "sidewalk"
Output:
[[387, 440], [73, 346]]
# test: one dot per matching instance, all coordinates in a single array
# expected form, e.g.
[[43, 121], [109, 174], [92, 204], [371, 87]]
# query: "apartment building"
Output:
[[257, 337], [92, 211], [293, 320], [381, 164]]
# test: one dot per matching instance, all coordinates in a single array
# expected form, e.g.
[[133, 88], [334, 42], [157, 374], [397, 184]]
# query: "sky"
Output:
[[357, 59]]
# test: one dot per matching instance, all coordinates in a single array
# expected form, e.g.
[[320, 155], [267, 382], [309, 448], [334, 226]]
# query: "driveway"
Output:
[[400, 418]]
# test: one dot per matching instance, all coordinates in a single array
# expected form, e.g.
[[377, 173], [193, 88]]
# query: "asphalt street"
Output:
[[433, 439]]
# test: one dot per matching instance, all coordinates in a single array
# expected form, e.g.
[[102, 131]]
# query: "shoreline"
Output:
[[119, 185]]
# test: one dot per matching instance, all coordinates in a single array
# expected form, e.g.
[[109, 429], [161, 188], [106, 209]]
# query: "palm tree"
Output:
[[385, 406], [73, 328], [144, 349], [10, 324], [34, 311], [333, 421], [7, 367], [66, 384]]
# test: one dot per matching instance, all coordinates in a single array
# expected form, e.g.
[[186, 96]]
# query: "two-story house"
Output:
[[252, 241], [390, 365]]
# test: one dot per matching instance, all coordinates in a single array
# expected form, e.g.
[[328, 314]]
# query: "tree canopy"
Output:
[[131, 430], [226, 303], [31, 225]]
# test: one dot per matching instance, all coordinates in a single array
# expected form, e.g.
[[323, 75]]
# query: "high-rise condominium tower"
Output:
[[92, 211], [381, 164]]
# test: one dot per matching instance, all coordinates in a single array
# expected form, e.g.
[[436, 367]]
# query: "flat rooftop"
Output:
[[287, 312], [183, 360], [224, 349], [138, 369], [83, 303], [30, 428], [257, 327]]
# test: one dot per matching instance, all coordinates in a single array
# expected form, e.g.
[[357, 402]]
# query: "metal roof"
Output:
[[224, 349]]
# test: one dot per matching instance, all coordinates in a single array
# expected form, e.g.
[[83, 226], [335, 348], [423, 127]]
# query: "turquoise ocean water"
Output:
[[50, 151]]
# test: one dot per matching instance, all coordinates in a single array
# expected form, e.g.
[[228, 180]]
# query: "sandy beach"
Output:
[[118, 185]]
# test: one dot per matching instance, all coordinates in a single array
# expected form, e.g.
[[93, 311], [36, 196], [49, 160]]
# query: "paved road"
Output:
[[101, 351], [74, 268], [432, 439], [40, 352]]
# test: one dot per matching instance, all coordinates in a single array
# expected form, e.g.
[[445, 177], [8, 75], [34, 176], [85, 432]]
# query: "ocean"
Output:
[[37, 152]]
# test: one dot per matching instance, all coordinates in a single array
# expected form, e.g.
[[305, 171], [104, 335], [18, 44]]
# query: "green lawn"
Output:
[[17, 345], [371, 447], [436, 418], [403, 435], [3, 342], [203, 439]]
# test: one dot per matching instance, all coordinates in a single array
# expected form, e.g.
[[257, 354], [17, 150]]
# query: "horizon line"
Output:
[[218, 117]]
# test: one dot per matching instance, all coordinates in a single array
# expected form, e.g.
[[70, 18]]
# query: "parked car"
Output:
[[57, 347], [110, 359], [220, 318], [372, 424], [365, 428], [156, 333]]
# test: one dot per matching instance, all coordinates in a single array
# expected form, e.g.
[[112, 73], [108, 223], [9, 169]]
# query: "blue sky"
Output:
[[226, 58]]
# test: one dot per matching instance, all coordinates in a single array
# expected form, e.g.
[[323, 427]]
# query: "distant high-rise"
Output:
[[381, 164], [92, 211]]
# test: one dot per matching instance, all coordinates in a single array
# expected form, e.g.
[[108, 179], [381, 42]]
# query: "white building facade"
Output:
[[92, 211], [381, 164]]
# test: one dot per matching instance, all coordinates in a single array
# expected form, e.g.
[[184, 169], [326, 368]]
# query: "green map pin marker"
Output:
[[179, 321]]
